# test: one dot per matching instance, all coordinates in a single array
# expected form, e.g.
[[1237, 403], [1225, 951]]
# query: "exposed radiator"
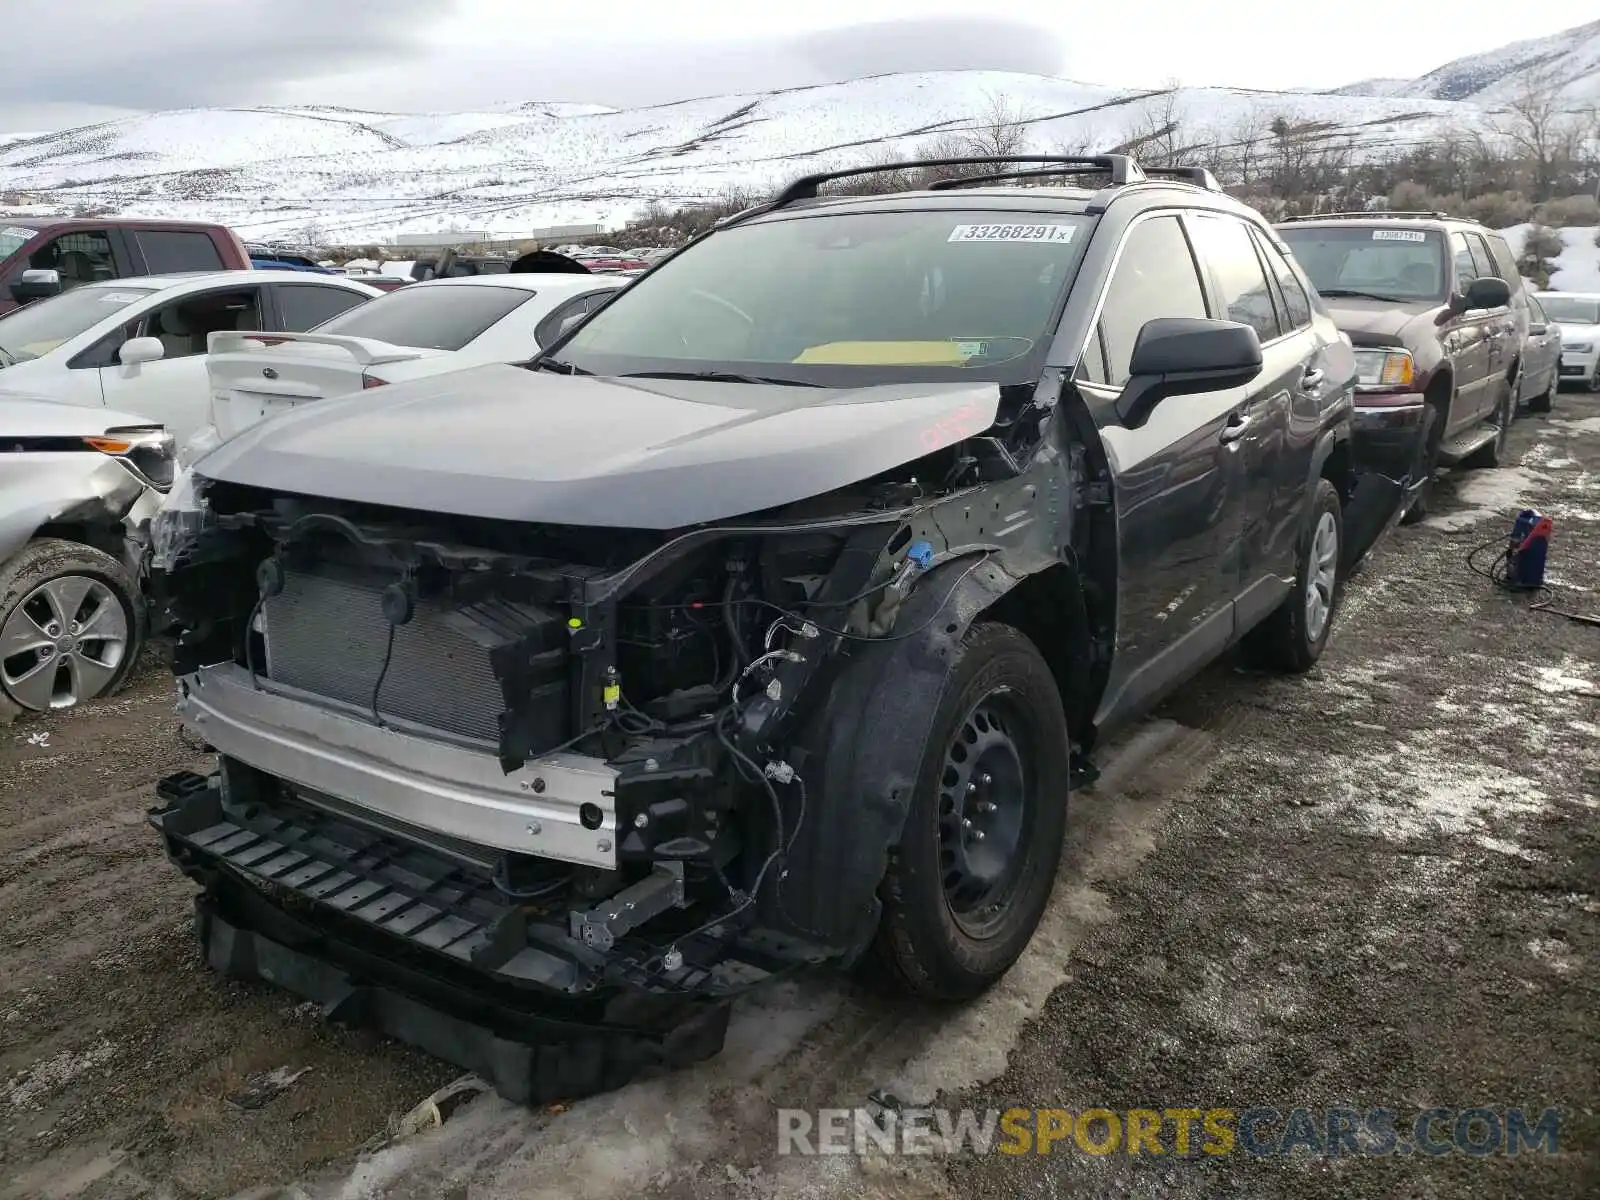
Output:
[[325, 634]]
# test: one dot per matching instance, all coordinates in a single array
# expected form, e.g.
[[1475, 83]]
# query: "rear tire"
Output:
[[46, 667], [1294, 635], [1543, 402], [968, 883]]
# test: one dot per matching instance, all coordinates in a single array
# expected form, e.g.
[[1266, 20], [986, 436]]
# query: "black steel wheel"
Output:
[[969, 881], [985, 805]]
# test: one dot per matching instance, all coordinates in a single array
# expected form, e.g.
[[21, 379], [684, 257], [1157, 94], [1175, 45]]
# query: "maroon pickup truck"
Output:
[[41, 257]]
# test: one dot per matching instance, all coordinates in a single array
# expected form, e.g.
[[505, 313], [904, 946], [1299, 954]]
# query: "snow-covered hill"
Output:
[[339, 174], [1569, 59], [357, 176]]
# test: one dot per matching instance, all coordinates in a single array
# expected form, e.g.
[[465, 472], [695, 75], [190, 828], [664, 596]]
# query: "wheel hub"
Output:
[[63, 644], [983, 802]]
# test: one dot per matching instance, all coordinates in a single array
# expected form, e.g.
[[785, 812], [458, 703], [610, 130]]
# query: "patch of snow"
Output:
[[1553, 953], [56, 1072], [1498, 494], [1562, 679]]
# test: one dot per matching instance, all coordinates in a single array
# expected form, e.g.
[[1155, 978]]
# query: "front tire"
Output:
[[1294, 636], [968, 883], [1426, 466], [71, 624]]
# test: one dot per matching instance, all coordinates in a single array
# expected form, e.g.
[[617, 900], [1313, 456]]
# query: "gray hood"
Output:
[[513, 444]]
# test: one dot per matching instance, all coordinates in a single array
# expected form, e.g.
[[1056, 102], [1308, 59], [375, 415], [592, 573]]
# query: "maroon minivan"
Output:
[[44, 256]]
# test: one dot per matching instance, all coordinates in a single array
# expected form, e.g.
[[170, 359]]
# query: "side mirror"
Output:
[[37, 284], [1538, 329], [1179, 356], [1487, 292], [141, 350]]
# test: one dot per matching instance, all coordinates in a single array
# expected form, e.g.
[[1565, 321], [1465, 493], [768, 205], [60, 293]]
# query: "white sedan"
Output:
[[138, 345], [426, 328]]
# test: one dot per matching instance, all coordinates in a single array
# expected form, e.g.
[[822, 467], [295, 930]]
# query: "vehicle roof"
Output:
[[1378, 219], [180, 279], [1067, 200], [48, 224], [531, 281]]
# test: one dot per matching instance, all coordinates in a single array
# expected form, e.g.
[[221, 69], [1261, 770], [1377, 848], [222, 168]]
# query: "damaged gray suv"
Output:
[[761, 622]]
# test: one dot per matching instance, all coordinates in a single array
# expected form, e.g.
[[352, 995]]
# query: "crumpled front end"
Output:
[[562, 769]]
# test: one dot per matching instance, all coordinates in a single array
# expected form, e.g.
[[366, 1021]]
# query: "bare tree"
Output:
[[1544, 132], [1084, 141], [1154, 134], [1001, 129]]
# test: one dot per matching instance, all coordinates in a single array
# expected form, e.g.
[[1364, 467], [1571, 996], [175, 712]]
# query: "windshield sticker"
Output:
[[17, 231], [1012, 233], [119, 297], [1399, 235]]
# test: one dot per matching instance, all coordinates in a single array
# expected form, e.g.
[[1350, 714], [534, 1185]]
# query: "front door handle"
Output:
[[1234, 429]]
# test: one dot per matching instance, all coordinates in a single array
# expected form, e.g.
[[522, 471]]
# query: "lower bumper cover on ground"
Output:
[[531, 1045]]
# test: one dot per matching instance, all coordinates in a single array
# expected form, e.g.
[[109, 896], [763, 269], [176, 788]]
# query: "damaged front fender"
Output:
[[861, 753], [72, 490]]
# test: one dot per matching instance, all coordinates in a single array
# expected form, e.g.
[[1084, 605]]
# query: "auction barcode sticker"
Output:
[[1012, 233], [1399, 235]]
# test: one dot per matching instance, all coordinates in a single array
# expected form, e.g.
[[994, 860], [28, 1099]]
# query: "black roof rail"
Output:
[[1123, 170], [1198, 176], [942, 185], [1377, 214]]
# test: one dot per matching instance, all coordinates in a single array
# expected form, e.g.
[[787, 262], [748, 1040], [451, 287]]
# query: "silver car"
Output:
[[78, 487], [1541, 360]]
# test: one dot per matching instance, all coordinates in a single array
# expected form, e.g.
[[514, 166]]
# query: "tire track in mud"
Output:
[[711, 1131]]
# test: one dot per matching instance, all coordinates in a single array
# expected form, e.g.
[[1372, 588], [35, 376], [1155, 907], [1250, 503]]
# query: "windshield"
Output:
[[1389, 264], [846, 299], [38, 328], [1575, 310], [14, 238], [434, 317]]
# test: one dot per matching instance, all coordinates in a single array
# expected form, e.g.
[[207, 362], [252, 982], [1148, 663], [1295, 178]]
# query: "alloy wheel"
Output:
[[63, 644], [1321, 575]]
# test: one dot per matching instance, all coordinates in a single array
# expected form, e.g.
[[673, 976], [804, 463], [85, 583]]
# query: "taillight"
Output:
[[371, 381]]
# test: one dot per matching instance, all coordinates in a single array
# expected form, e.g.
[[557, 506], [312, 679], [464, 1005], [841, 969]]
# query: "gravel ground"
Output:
[[1372, 886]]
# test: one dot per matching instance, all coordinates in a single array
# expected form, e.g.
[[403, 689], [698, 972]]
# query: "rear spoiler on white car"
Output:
[[366, 352]]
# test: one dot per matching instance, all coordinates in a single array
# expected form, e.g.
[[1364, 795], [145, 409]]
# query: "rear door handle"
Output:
[[1234, 429]]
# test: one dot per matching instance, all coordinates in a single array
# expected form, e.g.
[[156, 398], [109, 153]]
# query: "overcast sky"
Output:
[[84, 60]]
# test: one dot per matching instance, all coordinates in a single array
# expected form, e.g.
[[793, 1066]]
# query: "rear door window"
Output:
[[303, 306], [1296, 304], [167, 251], [1505, 262]]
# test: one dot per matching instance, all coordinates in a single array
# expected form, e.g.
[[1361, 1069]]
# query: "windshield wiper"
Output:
[[1356, 293], [719, 377], [559, 367], [6, 357]]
